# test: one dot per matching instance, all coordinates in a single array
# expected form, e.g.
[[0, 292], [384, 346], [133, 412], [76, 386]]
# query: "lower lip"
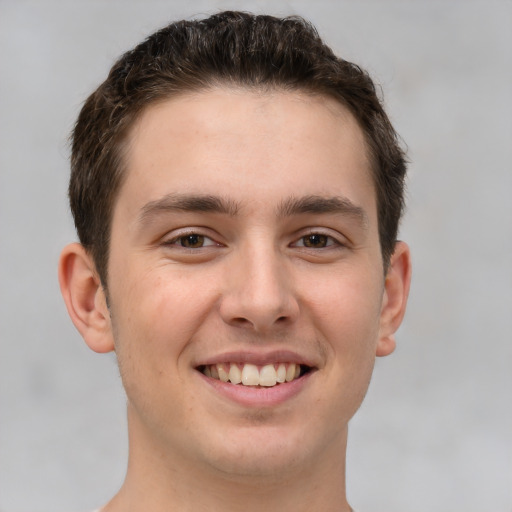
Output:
[[250, 396]]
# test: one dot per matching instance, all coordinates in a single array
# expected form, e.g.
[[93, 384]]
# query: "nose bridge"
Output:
[[259, 291]]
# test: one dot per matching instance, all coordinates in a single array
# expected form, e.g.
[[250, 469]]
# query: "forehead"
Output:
[[246, 142]]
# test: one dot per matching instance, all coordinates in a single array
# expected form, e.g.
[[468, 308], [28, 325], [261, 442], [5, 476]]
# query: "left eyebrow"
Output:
[[319, 204]]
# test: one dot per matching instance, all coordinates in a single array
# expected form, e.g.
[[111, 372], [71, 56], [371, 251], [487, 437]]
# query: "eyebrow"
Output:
[[288, 208], [188, 203], [320, 204]]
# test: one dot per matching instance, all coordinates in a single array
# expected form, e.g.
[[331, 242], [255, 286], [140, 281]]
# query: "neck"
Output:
[[163, 480]]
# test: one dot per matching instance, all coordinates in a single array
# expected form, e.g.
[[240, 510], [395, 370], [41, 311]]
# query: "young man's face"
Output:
[[246, 235]]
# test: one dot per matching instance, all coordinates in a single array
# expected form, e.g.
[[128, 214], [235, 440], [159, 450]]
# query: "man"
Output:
[[237, 191]]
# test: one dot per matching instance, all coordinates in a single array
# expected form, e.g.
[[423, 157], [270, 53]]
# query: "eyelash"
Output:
[[330, 241], [182, 237]]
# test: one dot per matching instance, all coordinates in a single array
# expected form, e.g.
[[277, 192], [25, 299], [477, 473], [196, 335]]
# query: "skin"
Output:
[[270, 279]]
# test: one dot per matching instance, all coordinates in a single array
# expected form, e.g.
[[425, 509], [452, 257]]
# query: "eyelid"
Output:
[[337, 238], [171, 239]]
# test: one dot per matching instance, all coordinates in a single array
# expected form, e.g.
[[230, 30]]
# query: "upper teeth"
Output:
[[249, 374]]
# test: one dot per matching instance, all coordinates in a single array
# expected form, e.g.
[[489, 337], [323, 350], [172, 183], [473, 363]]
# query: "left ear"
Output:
[[394, 301]]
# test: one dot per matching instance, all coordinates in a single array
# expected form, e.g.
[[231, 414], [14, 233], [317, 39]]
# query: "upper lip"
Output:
[[258, 358]]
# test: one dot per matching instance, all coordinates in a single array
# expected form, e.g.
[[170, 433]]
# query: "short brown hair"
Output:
[[229, 48]]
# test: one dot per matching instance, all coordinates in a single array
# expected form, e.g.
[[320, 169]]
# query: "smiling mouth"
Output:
[[251, 375]]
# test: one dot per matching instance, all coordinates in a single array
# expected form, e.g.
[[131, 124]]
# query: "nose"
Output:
[[259, 293]]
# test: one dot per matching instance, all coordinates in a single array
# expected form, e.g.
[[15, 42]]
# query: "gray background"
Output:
[[435, 433]]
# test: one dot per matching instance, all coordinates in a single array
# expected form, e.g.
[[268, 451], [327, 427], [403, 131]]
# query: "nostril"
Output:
[[241, 320]]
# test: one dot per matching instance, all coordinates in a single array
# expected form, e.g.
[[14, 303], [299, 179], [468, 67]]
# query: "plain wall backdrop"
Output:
[[435, 432]]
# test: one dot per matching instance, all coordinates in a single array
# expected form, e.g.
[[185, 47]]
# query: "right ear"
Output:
[[85, 298]]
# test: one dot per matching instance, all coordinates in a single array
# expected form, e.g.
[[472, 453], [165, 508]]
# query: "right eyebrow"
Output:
[[187, 203]]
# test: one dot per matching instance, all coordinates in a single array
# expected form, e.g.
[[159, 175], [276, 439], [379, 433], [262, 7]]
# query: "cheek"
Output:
[[157, 315], [151, 330], [348, 314]]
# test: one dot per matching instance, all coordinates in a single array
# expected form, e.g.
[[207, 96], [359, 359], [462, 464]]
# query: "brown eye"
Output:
[[315, 241], [192, 241]]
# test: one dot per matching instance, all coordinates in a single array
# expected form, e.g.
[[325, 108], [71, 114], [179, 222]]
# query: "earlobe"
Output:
[[396, 291], [85, 298]]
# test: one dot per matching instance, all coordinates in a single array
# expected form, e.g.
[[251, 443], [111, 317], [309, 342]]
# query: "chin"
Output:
[[262, 452], [259, 466]]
